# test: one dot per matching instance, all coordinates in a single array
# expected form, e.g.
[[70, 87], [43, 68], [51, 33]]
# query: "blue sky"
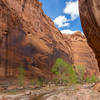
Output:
[[64, 13]]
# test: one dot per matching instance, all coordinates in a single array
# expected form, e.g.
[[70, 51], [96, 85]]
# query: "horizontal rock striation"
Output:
[[83, 54], [30, 39], [90, 18]]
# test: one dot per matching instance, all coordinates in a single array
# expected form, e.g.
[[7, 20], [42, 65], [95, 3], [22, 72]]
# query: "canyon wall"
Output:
[[90, 18], [83, 54], [30, 39]]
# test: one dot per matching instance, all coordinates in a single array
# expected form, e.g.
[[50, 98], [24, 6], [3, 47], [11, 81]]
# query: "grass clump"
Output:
[[40, 81], [92, 79]]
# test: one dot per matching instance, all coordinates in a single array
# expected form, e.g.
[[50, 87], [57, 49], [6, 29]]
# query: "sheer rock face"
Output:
[[28, 37], [82, 53], [90, 18]]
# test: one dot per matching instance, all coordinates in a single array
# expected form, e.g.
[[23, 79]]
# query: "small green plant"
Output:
[[21, 75], [92, 79], [40, 81], [32, 82]]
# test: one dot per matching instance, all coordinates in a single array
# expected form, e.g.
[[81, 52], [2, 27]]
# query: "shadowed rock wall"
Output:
[[90, 18], [28, 37]]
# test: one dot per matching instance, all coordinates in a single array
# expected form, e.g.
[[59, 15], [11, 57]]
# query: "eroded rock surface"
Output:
[[90, 18], [82, 53], [28, 37], [74, 92]]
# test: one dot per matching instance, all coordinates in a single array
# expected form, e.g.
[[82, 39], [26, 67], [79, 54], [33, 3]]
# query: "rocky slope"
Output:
[[90, 18], [29, 38]]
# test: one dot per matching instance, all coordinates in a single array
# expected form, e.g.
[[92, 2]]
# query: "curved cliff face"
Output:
[[82, 53], [90, 18], [28, 37]]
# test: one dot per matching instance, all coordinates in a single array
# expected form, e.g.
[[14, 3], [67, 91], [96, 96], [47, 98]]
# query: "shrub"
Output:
[[80, 70], [40, 81], [64, 71], [92, 79], [21, 75], [72, 77]]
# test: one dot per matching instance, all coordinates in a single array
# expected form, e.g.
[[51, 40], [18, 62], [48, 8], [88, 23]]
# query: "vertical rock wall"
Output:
[[30, 39], [90, 18]]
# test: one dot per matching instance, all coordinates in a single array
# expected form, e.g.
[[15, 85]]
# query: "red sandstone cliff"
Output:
[[28, 37], [90, 18], [82, 53]]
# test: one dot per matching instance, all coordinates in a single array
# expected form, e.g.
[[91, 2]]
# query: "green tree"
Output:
[[72, 77], [64, 71]]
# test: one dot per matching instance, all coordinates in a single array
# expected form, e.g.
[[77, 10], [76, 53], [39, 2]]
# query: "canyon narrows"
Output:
[[30, 44]]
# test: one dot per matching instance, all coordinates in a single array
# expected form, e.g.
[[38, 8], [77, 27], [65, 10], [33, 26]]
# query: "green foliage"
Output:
[[21, 75], [57, 67], [72, 77], [92, 79], [64, 71], [39, 81], [80, 70], [32, 82]]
